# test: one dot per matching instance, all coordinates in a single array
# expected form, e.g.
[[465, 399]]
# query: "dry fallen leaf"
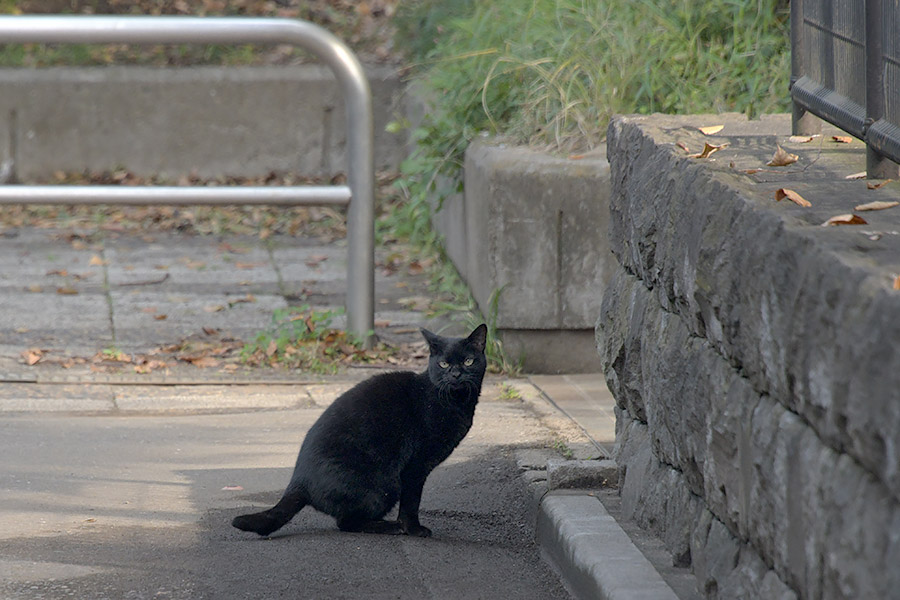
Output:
[[897, 282], [96, 261], [683, 146], [711, 129], [226, 247], [160, 317], [35, 289], [848, 219], [32, 356], [416, 268], [782, 158], [860, 175], [842, 139], [248, 265], [752, 171], [214, 308], [879, 185], [66, 291], [204, 362], [707, 150], [877, 205], [416, 303], [801, 139], [782, 193], [315, 259]]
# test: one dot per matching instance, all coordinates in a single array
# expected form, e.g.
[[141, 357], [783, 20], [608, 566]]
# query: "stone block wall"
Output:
[[752, 354]]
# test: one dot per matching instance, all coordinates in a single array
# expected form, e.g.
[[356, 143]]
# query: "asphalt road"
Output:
[[139, 506]]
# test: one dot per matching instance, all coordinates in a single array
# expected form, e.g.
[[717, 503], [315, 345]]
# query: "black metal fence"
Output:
[[845, 68]]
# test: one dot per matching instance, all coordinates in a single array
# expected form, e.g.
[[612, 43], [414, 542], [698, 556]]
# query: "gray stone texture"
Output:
[[529, 234], [535, 227], [210, 120], [751, 355]]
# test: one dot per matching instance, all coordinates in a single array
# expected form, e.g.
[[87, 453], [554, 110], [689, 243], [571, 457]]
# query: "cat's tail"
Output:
[[275, 518]]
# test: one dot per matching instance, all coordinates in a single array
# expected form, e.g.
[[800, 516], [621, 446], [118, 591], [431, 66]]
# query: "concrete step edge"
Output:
[[595, 557]]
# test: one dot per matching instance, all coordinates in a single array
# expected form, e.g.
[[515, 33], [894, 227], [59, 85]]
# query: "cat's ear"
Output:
[[435, 342], [478, 338]]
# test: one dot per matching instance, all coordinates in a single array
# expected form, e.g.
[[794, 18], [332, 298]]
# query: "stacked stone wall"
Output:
[[751, 354]]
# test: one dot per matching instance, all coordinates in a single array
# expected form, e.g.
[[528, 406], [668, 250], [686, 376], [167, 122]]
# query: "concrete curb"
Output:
[[595, 557], [212, 120]]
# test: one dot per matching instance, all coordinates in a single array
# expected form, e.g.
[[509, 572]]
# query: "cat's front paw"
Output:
[[418, 531]]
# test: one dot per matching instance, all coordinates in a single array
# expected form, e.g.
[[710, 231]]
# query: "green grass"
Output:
[[300, 337], [508, 392], [560, 446], [550, 73]]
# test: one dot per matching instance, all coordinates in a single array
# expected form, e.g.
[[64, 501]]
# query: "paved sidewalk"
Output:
[[68, 295], [75, 295]]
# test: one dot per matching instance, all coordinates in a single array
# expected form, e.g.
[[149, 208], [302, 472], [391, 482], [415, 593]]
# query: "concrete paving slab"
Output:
[[203, 398], [199, 264], [138, 326], [39, 260], [33, 398], [302, 266], [587, 401], [73, 323]]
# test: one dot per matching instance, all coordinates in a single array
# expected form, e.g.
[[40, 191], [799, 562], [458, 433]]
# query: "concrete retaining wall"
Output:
[[752, 354], [531, 228], [212, 120]]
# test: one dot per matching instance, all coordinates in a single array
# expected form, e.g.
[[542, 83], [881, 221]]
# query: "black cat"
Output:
[[378, 442]]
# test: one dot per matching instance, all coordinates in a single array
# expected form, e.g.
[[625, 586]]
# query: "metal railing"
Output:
[[845, 68], [358, 195]]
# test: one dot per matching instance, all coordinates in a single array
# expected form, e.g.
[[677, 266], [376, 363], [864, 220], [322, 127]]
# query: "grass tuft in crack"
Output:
[[304, 338]]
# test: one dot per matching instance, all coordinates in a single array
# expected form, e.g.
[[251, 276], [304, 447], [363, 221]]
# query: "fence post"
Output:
[[803, 122], [878, 166]]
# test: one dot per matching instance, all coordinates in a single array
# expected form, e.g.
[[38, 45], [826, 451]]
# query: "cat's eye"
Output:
[[443, 364], [469, 361]]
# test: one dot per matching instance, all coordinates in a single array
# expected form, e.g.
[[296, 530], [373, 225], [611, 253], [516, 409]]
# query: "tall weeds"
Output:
[[552, 74]]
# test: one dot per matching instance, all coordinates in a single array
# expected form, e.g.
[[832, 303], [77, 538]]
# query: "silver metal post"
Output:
[[223, 30]]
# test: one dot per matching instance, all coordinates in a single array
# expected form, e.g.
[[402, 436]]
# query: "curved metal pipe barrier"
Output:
[[360, 192]]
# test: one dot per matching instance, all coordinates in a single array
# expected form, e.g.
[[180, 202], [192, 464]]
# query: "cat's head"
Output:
[[457, 363]]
